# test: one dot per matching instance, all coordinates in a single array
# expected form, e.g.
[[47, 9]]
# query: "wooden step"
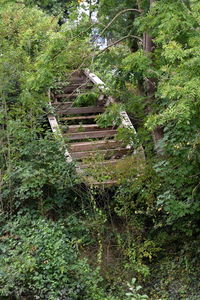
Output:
[[78, 86], [82, 128], [78, 80], [79, 118], [106, 183], [62, 105], [105, 144], [82, 110], [114, 153], [69, 96], [91, 134]]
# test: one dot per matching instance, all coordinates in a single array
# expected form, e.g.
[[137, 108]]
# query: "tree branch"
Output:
[[117, 15], [118, 41]]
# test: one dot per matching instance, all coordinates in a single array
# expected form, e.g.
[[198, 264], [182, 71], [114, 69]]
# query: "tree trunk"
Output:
[[151, 85]]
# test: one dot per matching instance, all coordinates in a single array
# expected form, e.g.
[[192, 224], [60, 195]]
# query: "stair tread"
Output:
[[85, 127], [86, 146], [104, 183], [91, 134], [81, 110], [61, 103], [94, 142], [68, 95], [79, 117]]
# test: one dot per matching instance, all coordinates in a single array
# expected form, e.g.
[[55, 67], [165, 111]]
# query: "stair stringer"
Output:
[[126, 122]]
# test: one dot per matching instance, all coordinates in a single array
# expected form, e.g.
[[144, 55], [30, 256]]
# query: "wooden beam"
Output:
[[91, 134], [81, 110], [104, 184], [70, 95], [79, 118], [95, 79], [56, 130], [74, 87], [105, 144], [66, 104], [85, 127]]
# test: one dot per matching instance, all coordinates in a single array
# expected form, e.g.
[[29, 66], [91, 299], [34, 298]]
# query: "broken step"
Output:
[[105, 144]]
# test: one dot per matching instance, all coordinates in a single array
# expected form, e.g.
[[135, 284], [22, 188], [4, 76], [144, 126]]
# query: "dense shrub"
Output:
[[39, 259]]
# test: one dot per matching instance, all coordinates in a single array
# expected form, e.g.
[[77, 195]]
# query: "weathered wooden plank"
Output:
[[78, 80], [66, 104], [79, 118], [54, 124], [56, 130], [126, 122], [110, 153], [85, 127], [73, 87], [91, 134], [106, 183], [105, 144], [81, 110], [96, 80], [69, 95]]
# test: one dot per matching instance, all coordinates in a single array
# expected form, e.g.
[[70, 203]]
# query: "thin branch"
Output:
[[117, 15], [138, 4], [118, 41]]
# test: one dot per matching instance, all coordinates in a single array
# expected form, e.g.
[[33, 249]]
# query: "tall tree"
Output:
[[151, 84]]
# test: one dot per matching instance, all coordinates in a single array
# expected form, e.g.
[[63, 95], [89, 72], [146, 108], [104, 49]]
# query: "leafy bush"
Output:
[[111, 116], [86, 99], [39, 259], [134, 289], [38, 171]]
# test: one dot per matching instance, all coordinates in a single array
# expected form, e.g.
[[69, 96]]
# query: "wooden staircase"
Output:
[[98, 155]]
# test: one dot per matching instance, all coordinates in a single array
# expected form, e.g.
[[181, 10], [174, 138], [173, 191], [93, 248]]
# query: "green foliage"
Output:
[[140, 63], [54, 7], [111, 116], [39, 259], [128, 137], [86, 99], [134, 293], [139, 195], [37, 170], [133, 227], [35, 51]]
